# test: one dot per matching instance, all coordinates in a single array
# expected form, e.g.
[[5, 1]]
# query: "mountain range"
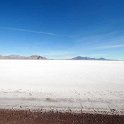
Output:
[[38, 57], [33, 57], [87, 58]]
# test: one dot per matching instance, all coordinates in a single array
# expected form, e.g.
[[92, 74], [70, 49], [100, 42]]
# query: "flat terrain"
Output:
[[28, 117], [90, 86]]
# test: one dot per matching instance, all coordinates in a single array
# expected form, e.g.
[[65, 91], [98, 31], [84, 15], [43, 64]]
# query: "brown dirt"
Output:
[[29, 117]]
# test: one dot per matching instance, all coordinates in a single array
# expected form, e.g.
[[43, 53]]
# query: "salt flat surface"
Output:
[[62, 84]]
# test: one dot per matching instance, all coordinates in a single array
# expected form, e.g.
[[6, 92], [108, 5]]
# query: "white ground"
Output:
[[62, 84]]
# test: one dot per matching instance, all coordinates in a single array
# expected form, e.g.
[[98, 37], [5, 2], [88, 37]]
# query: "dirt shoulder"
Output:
[[29, 117]]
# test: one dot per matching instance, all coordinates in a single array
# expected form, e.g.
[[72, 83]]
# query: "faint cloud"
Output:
[[26, 30], [110, 46]]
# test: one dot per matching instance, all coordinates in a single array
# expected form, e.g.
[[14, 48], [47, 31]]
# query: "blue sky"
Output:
[[62, 28]]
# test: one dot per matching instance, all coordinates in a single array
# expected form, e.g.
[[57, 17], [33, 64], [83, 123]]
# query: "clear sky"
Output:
[[62, 28]]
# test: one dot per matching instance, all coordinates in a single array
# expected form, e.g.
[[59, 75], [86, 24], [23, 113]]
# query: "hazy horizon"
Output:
[[71, 57]]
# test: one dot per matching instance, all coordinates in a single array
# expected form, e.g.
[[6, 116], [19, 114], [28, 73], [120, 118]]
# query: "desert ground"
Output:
[[70, 88], [52, 117]]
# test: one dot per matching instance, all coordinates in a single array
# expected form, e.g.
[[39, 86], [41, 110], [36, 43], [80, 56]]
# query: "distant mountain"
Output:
[[86, 58], [33, 57], [37, 57]]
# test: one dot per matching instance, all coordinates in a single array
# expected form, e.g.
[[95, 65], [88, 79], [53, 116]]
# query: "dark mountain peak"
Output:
[[37, 57]]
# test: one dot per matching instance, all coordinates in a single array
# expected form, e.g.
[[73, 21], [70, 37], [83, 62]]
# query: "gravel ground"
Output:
[[51, 117]]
